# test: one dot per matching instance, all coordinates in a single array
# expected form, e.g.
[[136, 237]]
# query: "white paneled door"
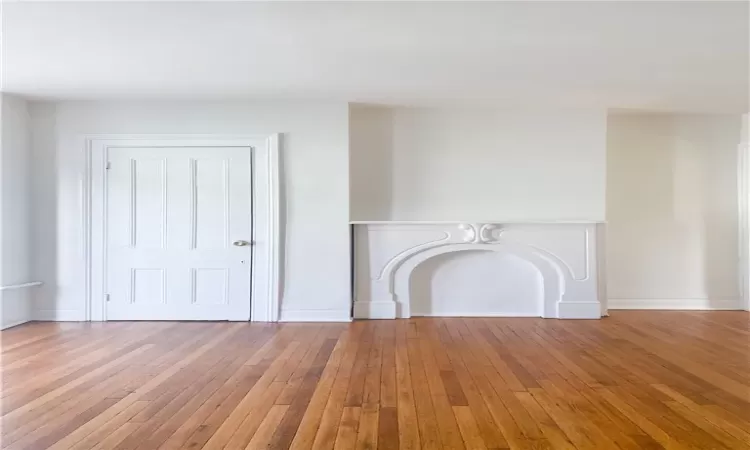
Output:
[[179, 233]]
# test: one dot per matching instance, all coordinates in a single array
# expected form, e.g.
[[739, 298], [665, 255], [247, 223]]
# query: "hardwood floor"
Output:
[[635, 380]]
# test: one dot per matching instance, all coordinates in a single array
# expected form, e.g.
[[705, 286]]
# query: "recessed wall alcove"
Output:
[[476, 283]]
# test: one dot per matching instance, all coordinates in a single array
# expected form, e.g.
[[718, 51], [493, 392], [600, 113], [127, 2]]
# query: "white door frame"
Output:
[[743, 197], [266, 257]]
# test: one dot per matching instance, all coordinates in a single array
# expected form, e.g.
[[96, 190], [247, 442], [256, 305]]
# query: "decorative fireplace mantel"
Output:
[[560, 257]]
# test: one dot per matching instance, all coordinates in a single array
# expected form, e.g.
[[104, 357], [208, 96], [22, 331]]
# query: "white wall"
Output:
[[671, 191], [744, 210], [15, 267], [314, 166], [672, 211], [370, 162], [477, 164]]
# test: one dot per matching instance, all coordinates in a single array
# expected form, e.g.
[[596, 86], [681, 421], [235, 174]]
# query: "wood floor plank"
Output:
[[356, 386], [644, 422], [262, 438], [453, 388], [52, 432], [635, 380], [300, 424], [406, 408], [586, 417], [92, 425], [252, 399], [549, 428], [119, 435], [42, 400], [388, 389], [213, 422], [200, 402], [369, 425], [450, 436], [429, 433], [709, 414], [388, 431], [701, 422], [488, 429], [21, 336], [101, 435], [373, 372], [249, 426], [294, 380], [469, 429], [325, 437], [346, 438], [228, 375], [79, 401]]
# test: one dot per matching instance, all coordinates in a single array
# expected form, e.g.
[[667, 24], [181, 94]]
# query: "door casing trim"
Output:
[[266, 264]]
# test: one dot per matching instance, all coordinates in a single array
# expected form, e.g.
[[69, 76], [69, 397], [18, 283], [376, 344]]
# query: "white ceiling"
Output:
[[687, 56]]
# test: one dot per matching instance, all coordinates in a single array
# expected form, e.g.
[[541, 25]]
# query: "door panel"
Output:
[[172, 215]]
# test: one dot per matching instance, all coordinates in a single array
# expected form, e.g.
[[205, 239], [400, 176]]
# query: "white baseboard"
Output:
[[694, 304], [15, 323], [579, 310], [387, 310], [472, 314], [315, 315], [59, 315], [321, 315], [375, 310]]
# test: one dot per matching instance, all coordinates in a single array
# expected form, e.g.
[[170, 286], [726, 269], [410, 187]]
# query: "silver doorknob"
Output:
[[240, 243]]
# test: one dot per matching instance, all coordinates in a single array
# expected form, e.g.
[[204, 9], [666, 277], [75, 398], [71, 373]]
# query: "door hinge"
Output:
[[109, 165], [106, 297]]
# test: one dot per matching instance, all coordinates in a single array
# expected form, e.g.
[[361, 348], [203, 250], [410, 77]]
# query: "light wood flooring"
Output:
[[635, 380]]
